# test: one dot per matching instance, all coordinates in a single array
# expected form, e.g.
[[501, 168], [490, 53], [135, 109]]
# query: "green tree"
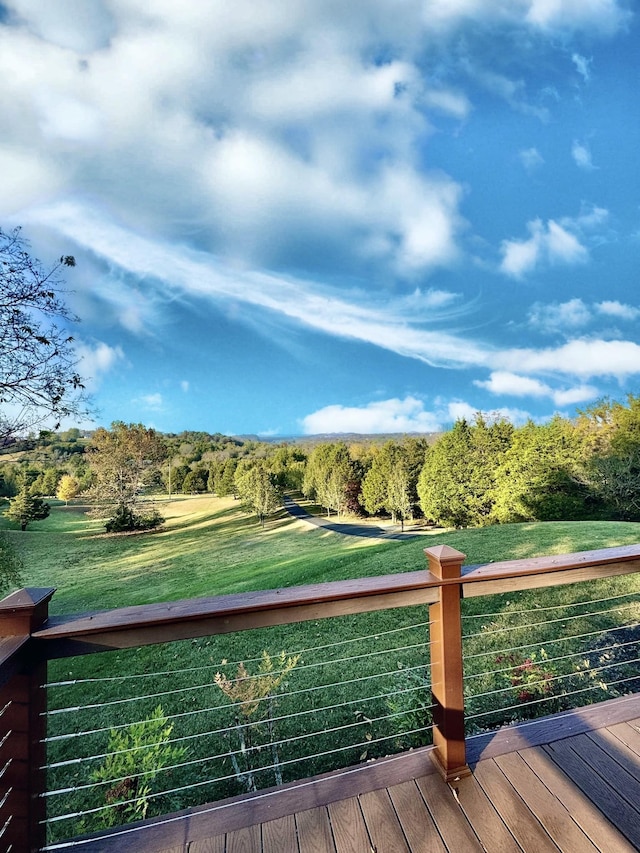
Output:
[[26, 507], [458, 477], [38, 376], [539, 477], [611, 431], [195, 482], [68, 488], [122, 460], [257, 488], [387, 483], [226, 485], [328, 475]]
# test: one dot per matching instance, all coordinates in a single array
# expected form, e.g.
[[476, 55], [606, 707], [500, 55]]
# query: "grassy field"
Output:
[[360, 683], [208, 546]]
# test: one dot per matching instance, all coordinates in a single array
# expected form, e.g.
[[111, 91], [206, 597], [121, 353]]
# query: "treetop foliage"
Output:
[[38, 376]]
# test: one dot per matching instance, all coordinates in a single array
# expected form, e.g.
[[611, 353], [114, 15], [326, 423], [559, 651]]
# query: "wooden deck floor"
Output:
[[569, 783]]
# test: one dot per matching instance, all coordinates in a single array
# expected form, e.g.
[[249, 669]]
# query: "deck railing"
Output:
[[29, 639]]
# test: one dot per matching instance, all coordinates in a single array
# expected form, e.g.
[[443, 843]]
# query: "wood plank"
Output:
[[611, 767], [523, 825], [551, 728], [349, 829], [382, 823], [603, 833], [628, 734], [451, 821], [485, 820], [606, 799], [415, 819], [314, 831], [551, 812], [279, 836], [247, 840], [616, 749], [208, 845]]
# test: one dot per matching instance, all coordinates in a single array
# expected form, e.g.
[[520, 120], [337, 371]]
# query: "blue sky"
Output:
[[302, 217]]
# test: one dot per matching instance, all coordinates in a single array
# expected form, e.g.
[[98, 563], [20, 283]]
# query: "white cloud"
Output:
[[581, 153], [401, 416], [613, 308], [186, 274], [585, 358], [531, 158], [606, 15], [511, 384], [184, 385], [556, 317], [583, 65], [552, 244], [152, 402], [96, 360], [394, 415]]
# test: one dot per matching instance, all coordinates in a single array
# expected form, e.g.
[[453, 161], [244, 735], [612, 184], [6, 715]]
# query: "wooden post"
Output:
[[23, 726], [447, 686]]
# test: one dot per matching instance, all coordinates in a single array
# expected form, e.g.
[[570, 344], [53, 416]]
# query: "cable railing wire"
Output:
[[202, 783], [132, 676], [244, 753], [550, 642], [181, 714], [229, 729], [251, 677], [537, 609]]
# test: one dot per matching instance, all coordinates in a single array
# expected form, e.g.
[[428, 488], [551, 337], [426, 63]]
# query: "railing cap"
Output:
[[26, 599], [444, 561]]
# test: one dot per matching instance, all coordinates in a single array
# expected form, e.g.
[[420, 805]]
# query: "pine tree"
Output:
[[26, 507]]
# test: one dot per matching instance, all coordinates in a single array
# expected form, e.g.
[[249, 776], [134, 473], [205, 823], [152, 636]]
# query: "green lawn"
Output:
[[208, 546], [358, 687]]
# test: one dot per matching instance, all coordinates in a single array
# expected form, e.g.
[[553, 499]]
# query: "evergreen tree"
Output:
[[26, 507], [458, 477], [538, 479]]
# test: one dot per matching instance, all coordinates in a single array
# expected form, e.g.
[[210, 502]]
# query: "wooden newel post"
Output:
[[447, 686], [23, 727]]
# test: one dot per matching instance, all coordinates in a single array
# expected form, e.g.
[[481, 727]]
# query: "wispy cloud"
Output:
[[184, 273], [152, 402], [505, 383], [531, 158], [550, 243], [96, 360], [581, 153], [583, 65]]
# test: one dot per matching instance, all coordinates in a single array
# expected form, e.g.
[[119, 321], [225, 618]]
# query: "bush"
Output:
[[126, 520]]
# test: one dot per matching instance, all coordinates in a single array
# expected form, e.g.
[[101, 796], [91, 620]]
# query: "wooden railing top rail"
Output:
[[162, 622]]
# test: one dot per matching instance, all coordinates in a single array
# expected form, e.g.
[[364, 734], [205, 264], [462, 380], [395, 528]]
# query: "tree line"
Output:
[[480, 472]]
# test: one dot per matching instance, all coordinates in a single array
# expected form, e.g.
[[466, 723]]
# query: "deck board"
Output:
[[418, 826], [584, 812], [314, 831], [615, 808], [382, 822], [523, 824], [481, 814], [349, 829], [551, 814], [279, 835], [457, 834]]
